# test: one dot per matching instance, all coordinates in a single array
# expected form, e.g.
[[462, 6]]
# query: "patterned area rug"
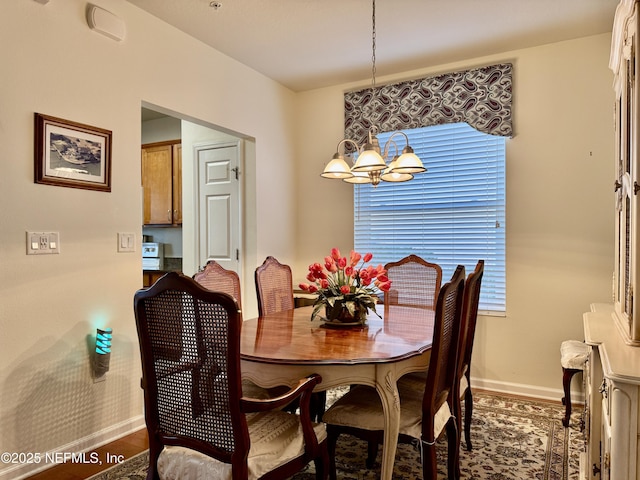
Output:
[[512, 438]]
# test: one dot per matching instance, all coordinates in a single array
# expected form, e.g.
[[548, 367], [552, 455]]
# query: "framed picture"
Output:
[[70, 154]]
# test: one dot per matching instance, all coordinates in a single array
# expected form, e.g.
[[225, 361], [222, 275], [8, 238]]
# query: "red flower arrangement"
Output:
[[345, 287]]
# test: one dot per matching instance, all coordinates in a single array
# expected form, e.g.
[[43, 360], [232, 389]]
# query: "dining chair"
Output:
[[467, 335], [218, 279], [274, 289], [414, 282], [199, 423], [468, 321], [573, 359], [424, 414]]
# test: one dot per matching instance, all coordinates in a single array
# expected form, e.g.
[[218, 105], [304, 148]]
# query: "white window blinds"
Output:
[[452, 214]]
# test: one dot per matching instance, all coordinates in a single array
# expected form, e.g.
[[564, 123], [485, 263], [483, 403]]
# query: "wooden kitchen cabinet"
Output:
[[149, 277], [162, 183]]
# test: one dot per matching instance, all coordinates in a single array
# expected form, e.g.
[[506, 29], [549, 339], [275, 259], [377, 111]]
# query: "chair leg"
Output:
[[567, 375], [322, 466], [468, 412], [455, 436], [372, 453], [155, 448], [293, 406], [332, 440], [453, 453], [429, 462], [318, 405]]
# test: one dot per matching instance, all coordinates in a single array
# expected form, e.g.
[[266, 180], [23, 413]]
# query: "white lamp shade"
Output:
[[389, 175], [409, 162], [358, 177], [369, 161], [337, 168]]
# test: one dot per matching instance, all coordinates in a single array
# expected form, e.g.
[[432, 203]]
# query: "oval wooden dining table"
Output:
[[280, 348]]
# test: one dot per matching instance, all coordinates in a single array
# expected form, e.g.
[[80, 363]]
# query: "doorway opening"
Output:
[[208, 222]]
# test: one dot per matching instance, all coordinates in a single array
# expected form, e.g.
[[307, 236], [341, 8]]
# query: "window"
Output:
[[452, 214]]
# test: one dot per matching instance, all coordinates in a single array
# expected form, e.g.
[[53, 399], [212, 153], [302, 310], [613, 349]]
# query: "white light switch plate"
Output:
[[126, 242], [43, 243]]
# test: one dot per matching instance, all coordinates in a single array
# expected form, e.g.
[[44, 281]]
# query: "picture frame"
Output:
[[71, 154]]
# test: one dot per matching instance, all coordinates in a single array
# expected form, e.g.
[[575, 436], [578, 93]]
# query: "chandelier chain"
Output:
[[371, 165], [373, 47]]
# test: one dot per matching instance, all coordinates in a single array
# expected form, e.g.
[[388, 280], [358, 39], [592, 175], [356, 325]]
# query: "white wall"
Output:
[[559, 222], [52, 63], [559, 228]]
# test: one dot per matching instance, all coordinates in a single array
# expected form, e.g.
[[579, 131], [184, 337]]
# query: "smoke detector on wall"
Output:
[[105, 22]]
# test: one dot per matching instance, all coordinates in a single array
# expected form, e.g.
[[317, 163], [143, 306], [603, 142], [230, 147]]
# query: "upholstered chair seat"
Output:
[[573, 354], [361, 408], [276, 438]]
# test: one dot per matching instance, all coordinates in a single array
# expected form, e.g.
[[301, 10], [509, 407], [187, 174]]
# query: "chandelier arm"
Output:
[[385, 152], [347, 140], [406, 138]]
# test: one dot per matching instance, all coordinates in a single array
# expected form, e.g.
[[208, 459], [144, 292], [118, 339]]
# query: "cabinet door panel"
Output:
[[157, 185], [177, 184], [623, 63]]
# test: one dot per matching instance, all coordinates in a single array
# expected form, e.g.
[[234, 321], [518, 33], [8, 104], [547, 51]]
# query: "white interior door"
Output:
[[219, 204]]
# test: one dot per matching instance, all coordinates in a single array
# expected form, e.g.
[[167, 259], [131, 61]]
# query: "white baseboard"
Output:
[[526, 390], [86, 444]]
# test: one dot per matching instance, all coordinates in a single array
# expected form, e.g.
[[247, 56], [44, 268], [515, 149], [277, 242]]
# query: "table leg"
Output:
[[387, 388]]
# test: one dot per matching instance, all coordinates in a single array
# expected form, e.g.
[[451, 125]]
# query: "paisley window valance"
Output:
[[481, 97]]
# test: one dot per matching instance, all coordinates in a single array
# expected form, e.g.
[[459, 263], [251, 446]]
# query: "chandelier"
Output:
[[371, 165]]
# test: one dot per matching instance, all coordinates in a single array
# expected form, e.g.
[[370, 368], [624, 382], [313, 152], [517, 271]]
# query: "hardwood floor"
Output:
[[125, 447]]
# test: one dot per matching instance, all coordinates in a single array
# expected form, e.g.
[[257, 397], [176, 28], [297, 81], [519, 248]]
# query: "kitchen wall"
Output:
[[50, 305], [559, 229], [160, 130]]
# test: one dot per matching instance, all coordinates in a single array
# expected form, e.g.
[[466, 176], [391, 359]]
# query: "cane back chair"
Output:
[[414, 282], [200, 425], [424, 413], [216, 278], [274, 288], [469, 319]]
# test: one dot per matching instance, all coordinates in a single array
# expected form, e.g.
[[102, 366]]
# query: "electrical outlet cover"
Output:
[[43, 243]]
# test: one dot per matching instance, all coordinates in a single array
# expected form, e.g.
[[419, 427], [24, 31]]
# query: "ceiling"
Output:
[[308, 44]]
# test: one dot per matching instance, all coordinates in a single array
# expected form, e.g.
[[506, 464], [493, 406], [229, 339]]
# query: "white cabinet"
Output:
[[613, 411], [613, 331], [624, 48]]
